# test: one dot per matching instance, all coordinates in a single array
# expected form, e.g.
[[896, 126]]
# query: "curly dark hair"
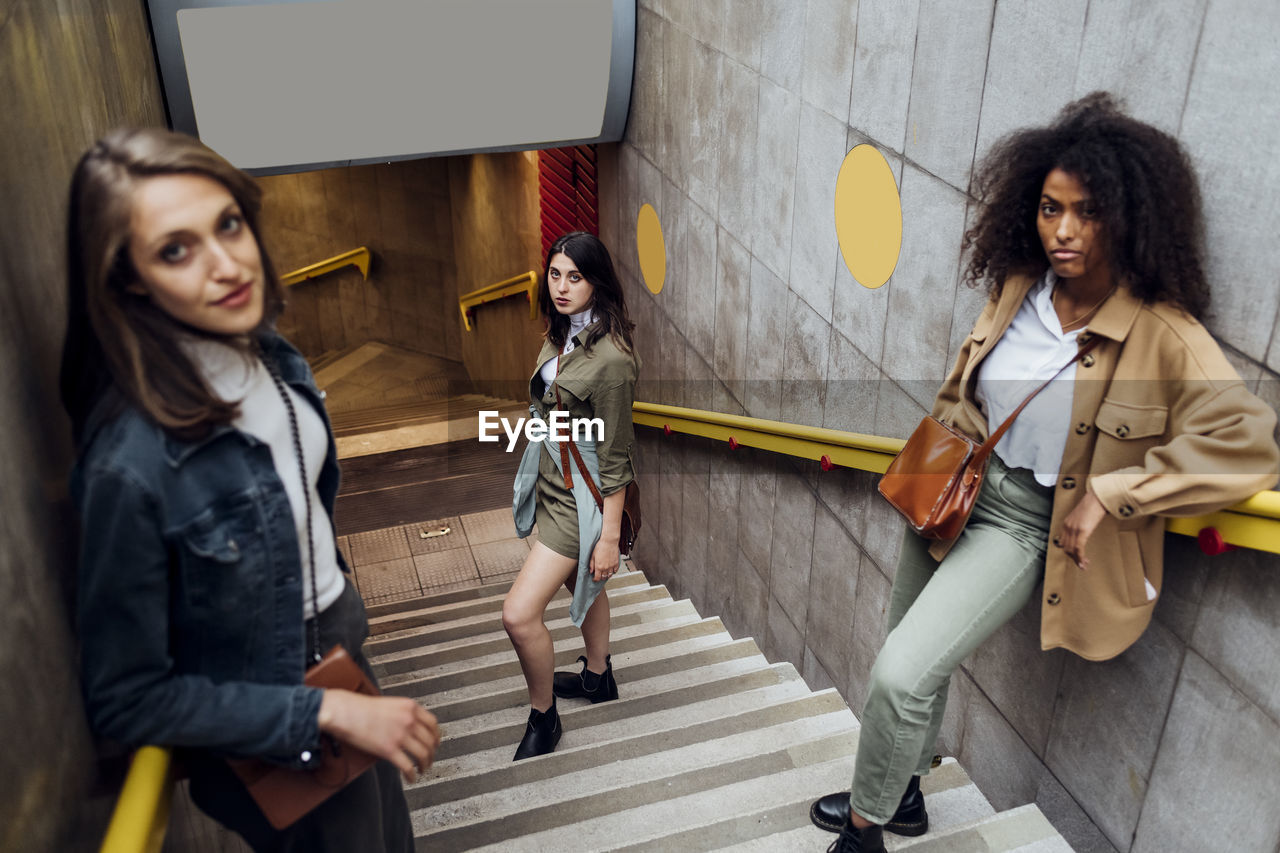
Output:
[[1139, 177]]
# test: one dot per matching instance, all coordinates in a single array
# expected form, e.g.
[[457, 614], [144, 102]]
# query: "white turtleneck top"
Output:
[[577, 322], [234, 376]]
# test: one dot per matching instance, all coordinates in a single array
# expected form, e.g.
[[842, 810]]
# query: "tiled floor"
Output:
[[435, 555]]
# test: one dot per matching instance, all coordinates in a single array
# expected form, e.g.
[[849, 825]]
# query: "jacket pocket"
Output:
[[1133, 567], [1130, 421], [221, 554]]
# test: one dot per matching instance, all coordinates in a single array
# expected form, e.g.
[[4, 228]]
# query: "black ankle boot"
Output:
[[541, 734], [598, 687], [832, 812], [851, 840]]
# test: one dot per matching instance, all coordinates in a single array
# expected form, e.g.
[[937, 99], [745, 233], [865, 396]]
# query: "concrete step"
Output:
[[499, 665], [376, 611], [521, 809], [489, 743], [952, 800], [729, 678], [388, 625], [709, 747], [1024, 829], [659, 666], [378, 417], [702, 820], [477, 636]]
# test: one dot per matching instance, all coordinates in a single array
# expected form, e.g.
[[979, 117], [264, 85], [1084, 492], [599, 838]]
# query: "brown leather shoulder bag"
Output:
[[935, 479], [285, 794]]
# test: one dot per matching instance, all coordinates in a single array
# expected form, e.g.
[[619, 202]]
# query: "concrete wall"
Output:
[[742, 113], [401, 211], [496, 237], [438, 228], [69, 72]]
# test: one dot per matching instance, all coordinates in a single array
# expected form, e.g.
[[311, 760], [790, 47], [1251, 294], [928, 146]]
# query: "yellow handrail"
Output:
[[526, 283], [1252, 523], [359, 258], [141, 815]]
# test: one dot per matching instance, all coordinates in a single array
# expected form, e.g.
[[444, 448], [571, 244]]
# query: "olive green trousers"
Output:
[[938, 614]]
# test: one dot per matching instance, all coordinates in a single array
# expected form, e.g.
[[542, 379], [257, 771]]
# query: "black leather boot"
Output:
[[832, 812], [541, 734], [598, 687], [851, 840]]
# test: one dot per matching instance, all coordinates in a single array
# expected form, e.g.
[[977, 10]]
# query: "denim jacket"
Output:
[[191, 586]]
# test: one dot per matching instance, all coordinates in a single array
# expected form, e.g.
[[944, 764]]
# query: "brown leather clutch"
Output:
[[285, 794]]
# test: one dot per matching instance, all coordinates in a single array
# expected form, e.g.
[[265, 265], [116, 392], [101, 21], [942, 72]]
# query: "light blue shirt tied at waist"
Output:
[[590, 521]]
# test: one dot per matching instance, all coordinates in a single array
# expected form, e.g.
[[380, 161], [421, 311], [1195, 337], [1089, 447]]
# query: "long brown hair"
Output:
[[119, 343], [592, 260]]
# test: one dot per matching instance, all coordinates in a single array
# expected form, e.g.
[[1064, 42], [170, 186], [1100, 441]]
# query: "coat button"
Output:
[[1057, 541], [1068, 483], [1082, 428], [1122, 431], [1087, 361], [1053, 598], [1125, 511]]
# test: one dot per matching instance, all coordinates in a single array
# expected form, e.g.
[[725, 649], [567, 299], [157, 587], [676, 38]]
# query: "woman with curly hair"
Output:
[[1089, 240]]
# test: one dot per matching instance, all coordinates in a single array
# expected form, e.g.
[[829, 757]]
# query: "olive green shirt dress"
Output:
[[594, 383]]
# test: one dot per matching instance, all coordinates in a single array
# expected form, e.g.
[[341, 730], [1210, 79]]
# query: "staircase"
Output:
[[383, 399], [709, 748]]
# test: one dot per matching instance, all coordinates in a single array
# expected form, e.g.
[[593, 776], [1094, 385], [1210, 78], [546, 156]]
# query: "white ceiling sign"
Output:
[[275, 86]]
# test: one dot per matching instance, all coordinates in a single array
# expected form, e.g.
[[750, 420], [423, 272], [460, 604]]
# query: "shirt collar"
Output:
[[1114, 319], [578, 322], [1041, 299]]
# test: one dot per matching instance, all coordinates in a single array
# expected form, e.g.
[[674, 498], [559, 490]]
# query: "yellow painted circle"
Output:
[[651, 248], [868, 216]]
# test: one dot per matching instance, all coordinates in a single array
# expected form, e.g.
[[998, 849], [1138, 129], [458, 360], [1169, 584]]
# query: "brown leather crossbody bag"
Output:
[[935, 479], [285, 794], [282, 793]]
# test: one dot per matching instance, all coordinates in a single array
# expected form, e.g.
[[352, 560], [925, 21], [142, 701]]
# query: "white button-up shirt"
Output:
[[1031, 351]]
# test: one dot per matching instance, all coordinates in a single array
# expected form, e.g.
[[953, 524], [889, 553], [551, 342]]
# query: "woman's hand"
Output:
[[1079, 525], [392, 727], [604, 559]]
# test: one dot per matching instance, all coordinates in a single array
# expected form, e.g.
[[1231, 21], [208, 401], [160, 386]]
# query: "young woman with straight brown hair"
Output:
[[208, 572]]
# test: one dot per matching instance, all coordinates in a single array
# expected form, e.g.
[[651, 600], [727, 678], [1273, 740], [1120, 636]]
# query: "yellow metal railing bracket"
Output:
[[526, 283], [358, 258]]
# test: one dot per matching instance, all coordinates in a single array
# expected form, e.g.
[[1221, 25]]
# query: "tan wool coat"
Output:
[[1161, 425]]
